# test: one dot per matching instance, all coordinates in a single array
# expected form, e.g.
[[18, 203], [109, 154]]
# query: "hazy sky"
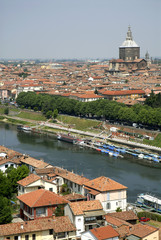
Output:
[[77, 28]]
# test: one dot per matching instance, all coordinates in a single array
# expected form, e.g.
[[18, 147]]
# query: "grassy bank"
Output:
[[79, 123], [31, 116], [156, 142]]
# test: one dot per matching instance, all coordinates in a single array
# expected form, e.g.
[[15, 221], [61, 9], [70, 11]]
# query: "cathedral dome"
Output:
[[129, 42]]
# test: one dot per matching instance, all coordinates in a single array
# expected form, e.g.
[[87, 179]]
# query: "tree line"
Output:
[[101, 109]]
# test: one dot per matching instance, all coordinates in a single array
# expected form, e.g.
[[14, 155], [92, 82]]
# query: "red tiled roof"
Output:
[[103, 184], [126, 215], [104, 233], [80, 207], [28, 180], [41, 198], [142, 230], [123, 92], [58, 224]]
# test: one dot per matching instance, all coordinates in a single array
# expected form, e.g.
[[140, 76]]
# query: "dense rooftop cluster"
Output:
[[75, 80]]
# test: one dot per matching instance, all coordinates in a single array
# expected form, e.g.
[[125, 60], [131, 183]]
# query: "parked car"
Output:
[[144, 219]]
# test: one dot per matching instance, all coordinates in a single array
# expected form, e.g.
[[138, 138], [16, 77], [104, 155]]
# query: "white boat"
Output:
[[26, 128], [141, 156], [110, 153], [150, 202]]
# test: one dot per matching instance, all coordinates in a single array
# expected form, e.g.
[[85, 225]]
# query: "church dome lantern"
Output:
[[129, 50]]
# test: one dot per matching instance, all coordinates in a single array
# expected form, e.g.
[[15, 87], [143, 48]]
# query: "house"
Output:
[[128, 216], [9, 158], [74, 181], [128, 94], [85, 215], [33, 163], [86, 97], [40, 203], [44, 228], [75, 197], [143, 232], [34, 182], [101, 233], [109, 192], [6, 163]]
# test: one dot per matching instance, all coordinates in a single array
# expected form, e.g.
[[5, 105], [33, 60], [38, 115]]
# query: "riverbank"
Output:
[[89, 128]]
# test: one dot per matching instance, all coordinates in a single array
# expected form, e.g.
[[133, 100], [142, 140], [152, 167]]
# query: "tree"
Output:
[[5, 210], [55, 113], [6, 111], [49, 114], [5, 188], [14, 175], [118, 209]]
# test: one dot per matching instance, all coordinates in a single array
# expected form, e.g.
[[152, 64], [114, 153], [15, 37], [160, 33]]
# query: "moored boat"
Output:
[[150, 202], [67, 138]]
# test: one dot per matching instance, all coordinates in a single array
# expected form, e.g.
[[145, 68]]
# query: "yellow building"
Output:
[[41, 229]]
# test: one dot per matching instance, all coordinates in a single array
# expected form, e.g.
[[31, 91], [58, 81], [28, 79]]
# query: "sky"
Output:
[[81, 29]]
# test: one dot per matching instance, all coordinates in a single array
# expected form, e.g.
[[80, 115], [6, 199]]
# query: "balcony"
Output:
[[30, 216]]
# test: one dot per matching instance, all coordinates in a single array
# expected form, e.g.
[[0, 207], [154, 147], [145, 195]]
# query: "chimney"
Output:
[[21, 226]]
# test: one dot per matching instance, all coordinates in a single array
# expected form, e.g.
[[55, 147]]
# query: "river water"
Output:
[[138, 176]]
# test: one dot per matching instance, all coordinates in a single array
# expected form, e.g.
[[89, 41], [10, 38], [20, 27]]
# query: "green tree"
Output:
[[5, 210], [6, 111], [55, 113], [49, 114], [14, 175], [5, 188], [118, 209]]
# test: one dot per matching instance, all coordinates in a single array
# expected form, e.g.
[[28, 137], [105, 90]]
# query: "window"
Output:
[[6, 165], [12, 165], [33, 236], [108, 196], [26, 237], [7, 237], [51, 189], [40, 211], [61, 235], [79, 219], [108, 205], [15, 237], [75, 185], [78, 188], [50, 231]]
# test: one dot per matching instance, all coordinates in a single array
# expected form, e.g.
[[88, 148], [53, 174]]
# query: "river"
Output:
[[139, 178]]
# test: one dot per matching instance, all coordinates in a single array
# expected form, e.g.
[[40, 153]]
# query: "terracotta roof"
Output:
[[41, 197], [142, 230], [103, 184], [116, 221], [124, 92], [126, 215], [58, 224], [28, 180], [34, 162], [47, 170], [74, 196], [104, 232], [70, 176], [80, 207]]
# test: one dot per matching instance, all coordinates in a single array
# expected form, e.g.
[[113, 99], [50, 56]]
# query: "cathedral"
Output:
[[129, 57]]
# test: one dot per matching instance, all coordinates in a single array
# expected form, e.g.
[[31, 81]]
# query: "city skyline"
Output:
[[77, 30]]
